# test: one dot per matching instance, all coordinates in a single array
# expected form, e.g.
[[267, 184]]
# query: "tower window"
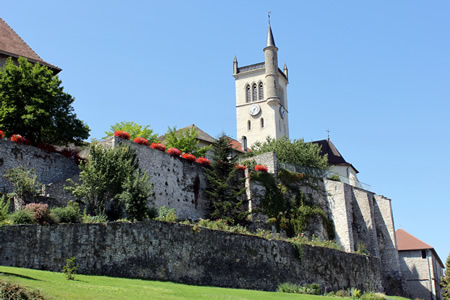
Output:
[[244, 143], [262, 122], [424, 254], [249, 125], [247, 93], [254, 92], [261, 91]]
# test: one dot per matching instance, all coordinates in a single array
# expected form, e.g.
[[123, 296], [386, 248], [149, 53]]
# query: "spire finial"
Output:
[[328, 131], [268, 15]]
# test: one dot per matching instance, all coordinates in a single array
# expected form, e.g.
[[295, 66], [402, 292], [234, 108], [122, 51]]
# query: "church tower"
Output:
[[261, 99]]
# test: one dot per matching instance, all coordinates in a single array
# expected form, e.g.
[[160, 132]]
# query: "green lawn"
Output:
[[54, 286]]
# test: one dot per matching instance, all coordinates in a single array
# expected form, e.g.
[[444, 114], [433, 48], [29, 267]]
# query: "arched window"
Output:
[[262, 122], [247, 93], [254, 92], [244, 143], [261, 91], [249, 125]]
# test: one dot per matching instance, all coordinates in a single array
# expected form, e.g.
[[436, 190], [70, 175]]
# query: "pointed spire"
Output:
[[270, 40]]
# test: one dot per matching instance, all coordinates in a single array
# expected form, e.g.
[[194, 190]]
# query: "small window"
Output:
[[424, 253], [254, 92], [244, 143], [249, 125], [261, 91], [248, 94], [262, 122]]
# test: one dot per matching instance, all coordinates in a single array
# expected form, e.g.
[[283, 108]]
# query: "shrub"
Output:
[[361, 248], [21, 216], [158, 146], [167, 215], [372, 296], [141, 140], [335, 177], [261, 168], [24, 182], [15, 291], [204, 161], [101, 218], [4, 208], [174, 152], [356, 293], [69, 214], [288, 288], [310, 289], [17, 138], [70, 269], [341, 293], [41, 213], [122, 134], [188, 157]]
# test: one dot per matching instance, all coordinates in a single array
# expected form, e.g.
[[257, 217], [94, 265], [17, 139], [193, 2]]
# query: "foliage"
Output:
[[167, 215], [122, 134], [355, 293], [372, 296], [100, 218], [335, 177], [21, 216], [361, 248], [17, 138], [11, 291], [295, 152], [70, 269], [341, 293], [4, 208], [314, 241], [24, 182], [310, 289], [69, 214], [135, 130], [287, 204], [111, 177], [225, 189], [222, 225], [34, 104], [445, 281], [185, 140], [41, 213]]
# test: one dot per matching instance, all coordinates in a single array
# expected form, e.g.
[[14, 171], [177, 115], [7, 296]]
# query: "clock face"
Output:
[[254, 109], [282, 111]]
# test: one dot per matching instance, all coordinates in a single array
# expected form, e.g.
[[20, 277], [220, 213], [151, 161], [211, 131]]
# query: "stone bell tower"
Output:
[[261, 99]]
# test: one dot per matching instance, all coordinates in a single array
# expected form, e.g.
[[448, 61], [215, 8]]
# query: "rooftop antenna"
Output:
[[328, 131], [268, 15]]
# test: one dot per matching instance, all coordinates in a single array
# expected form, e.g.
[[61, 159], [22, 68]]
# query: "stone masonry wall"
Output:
[[176, 252], [49, 167]]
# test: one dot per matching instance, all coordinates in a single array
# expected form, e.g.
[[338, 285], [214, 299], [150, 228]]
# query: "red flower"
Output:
[[141, 140], [174, 152], [2, 134], [122, 134], [17, 138], [158, 146], [261, 168], [240, 167], [204, 161], [188, 157]]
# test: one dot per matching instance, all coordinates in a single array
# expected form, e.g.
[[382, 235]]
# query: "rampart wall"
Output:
[[176, 252]]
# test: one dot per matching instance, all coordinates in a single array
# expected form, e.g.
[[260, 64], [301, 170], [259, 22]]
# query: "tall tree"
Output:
[[445, 281], [225, 189], [135, 130], [34, 104]]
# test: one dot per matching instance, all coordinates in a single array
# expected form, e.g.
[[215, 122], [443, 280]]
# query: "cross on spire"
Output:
[[268, 15]]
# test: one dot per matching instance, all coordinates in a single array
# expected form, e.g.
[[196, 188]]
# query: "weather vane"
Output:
[[328, 131], [268, 15]]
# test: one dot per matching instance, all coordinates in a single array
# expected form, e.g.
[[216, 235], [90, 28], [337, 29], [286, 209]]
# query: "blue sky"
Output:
[[375, 73]]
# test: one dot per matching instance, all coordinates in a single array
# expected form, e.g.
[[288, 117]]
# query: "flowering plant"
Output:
[[2, 134], [141, 140], [174, 152], [41, 213], [240, 167], [158, 146], [261, 168], [204, 161], [188, 157], [122, 134], [17, 138]]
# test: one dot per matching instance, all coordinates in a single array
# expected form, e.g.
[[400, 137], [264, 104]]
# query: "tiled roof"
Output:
[[408, 242], [11, 44], [334, 157], [237, 146]]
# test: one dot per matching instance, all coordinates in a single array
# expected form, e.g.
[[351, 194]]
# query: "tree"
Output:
[[295, 152], [225, 189], [445, 281], [135, 130], [34, 105], [185, 141], [111, 177]]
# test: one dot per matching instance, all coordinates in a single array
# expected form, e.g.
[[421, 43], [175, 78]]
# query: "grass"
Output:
[[53, 285]]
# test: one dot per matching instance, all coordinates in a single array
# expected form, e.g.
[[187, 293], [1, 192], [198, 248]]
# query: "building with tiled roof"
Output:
[[420, 265], [12, 45]]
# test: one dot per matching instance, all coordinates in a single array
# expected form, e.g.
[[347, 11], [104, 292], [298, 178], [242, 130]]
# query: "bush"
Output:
[[167, 215], [40, 212], [70, 269], [4, 208], [69, 214], [341, 293], [122, 134], [101, 218], [22, 216], [372, 296], [310, 289], [288, 288], [355, 293], [24, 182], [15, 291], [335, 177]]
